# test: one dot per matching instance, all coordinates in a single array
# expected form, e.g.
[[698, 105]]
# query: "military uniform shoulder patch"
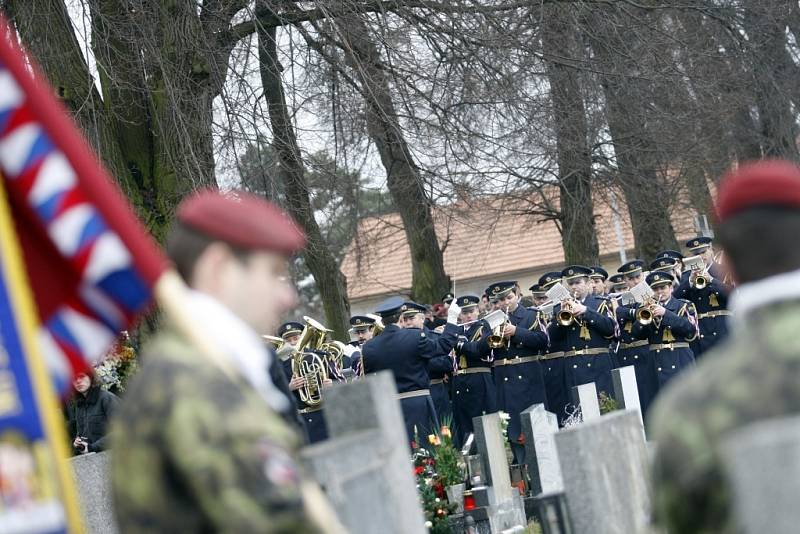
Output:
[[279, 467]]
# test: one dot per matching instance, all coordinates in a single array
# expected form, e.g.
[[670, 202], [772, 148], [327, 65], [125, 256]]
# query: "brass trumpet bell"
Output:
[[700, 282], [566, 317], [496, 339], [644, 315]]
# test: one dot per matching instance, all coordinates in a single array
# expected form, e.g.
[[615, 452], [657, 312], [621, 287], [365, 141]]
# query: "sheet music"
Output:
[[558, 292], [626, 298], [694, 263], [547, 309], [641, 292], [495, 318]]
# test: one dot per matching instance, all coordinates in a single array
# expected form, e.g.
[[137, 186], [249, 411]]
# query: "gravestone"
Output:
[[365, 465], [506, 509], [544, 470], [585, 397], [626, 391], [93, 485], [606, 475], [762, 461]]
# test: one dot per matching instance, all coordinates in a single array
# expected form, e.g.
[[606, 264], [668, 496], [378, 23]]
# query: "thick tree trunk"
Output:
[[160, 68], [578, 233], [771, 75], [638, 165], [330, 281], [58, 53], [429, 281]]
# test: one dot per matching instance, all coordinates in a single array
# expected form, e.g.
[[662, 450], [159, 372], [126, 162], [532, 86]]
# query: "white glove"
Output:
[[453, 312], [349, 350]]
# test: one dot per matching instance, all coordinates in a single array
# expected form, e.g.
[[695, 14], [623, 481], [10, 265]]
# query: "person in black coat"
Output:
[[672, 329], [517, 370], [406, 352], [474, 392], [88, 413]]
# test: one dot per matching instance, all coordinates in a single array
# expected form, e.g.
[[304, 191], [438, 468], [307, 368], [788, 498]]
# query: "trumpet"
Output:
[[309, 365], [496, 339], [700, 281], [566, 315], [645, 315], [698, 265]]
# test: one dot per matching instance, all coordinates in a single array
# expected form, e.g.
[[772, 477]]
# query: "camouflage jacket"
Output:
[[195, 451], [751, 375]]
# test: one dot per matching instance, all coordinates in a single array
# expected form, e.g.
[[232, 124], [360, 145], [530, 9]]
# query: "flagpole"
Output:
[[53, 427]]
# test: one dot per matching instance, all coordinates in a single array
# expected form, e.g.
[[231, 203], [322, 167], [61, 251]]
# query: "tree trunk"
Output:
[[160, 68], [58, 53], [578, 233], [765, 26], [626, 96], [330, 281], [429, 281]]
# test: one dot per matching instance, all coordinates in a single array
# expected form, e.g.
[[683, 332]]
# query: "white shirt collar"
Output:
[[241, 344], [778, 288]]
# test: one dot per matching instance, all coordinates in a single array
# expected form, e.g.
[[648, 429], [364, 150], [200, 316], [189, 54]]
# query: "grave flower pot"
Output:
[[455, 495]]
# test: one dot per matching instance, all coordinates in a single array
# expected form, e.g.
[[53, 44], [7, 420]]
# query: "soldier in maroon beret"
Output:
[[202, 446], [749, 376]]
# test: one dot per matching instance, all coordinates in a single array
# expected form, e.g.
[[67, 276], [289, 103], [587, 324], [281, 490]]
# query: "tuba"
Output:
[[309, 365], [275, 342], [335, 357]]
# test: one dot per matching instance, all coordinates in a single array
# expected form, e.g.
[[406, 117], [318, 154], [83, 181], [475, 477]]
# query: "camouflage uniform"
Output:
[[195, 451], [749, 376]]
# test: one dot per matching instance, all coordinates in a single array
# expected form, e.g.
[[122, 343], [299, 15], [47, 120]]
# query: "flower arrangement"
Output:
[[607, 403], [437, 466], [117, 366]]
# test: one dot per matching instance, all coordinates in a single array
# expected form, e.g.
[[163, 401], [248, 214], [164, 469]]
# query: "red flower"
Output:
[[419, 470]]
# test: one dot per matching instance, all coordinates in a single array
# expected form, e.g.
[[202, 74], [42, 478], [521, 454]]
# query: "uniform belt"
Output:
[[437, 381], [553, 355], [635, 344], [670, 346], [473, 370], [415, 393], [718, 313], [586, 352], [311, 409], [516, 361]]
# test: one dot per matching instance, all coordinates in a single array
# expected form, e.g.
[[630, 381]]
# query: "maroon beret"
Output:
[[241, 219], [763, 183]]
